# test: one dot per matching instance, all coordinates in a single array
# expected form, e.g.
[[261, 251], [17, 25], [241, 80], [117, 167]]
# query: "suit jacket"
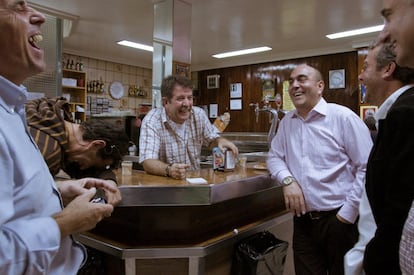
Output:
[[390, 184]]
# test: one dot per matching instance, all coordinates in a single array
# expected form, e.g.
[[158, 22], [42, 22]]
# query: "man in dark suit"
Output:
[[390, 186], [385, 82], [390, 177]]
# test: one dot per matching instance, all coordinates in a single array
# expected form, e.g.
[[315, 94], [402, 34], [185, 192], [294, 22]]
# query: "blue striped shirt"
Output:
[[29, 236]]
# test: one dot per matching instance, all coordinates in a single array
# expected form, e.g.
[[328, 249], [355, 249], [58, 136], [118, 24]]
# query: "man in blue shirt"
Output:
[[35, 229]]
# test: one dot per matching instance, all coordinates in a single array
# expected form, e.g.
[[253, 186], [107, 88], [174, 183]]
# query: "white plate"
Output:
[[116, 90]]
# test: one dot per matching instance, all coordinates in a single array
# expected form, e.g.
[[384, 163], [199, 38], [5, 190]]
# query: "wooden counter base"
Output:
[[165, 218], [153, 225], [123, 259]]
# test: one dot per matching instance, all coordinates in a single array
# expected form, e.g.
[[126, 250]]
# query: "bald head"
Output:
[[305, 88]]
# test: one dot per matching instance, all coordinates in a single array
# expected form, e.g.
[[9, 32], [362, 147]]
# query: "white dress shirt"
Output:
[[327, 154]]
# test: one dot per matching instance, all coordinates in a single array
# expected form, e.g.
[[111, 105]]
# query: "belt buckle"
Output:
[[314, 216]]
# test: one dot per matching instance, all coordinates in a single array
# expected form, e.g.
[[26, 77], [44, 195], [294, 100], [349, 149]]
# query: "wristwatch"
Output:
[[167, 170], [288, 180]]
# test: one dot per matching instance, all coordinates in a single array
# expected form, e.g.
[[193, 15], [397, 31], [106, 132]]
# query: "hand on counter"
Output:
[[178, 170], [160, 168]]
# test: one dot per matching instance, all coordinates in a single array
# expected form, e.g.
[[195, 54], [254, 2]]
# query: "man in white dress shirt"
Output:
[[319, 155]]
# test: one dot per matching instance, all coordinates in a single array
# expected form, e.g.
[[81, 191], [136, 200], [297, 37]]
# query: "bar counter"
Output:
[[160, 217], [142, 189]]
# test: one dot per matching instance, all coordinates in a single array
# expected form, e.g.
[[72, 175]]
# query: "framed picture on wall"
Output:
[[235, 104], [336, 79], [365, 111], [182, 69], [268, 90], [213, 81], [235, 90]]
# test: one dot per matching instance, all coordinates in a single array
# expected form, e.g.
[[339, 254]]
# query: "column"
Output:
[[171, 42]]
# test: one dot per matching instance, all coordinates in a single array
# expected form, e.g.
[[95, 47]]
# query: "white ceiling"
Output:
[[293, 28]]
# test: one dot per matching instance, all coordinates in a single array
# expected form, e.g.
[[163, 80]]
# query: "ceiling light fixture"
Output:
[[135, 45], [242, 52], [355, 32]]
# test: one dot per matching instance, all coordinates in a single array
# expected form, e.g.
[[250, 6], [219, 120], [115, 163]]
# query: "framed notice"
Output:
[[268, 90], [213, 110], [366, 111], [182, 69], [235, 90], [235, 104]]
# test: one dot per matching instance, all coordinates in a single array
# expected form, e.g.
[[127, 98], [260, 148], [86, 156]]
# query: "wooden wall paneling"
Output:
[[252, 76]]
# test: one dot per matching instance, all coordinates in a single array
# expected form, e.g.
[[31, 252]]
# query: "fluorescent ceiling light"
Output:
[[242, 52], [355, 32], [135, 45]]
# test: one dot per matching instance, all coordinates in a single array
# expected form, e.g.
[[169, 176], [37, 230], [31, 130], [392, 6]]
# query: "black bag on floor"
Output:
[[259, 254]]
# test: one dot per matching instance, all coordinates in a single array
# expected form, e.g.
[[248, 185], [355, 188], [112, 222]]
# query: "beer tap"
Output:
[[256, 110]]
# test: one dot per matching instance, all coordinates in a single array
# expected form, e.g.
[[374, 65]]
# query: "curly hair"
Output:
[[168, 85], [116, 139]]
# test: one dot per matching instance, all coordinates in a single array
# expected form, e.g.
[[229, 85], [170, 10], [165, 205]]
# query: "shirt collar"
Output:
[[386, 105], [12, 96], [164, 117], [321, 108]]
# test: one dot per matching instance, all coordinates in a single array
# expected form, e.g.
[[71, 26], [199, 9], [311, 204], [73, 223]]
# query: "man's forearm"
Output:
[[155, 167]]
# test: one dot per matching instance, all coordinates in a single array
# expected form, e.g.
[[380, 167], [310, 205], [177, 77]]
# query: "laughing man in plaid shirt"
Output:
[[172, 136]]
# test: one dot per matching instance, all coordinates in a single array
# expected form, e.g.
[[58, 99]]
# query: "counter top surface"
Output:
[[144, 189], [141, 178]]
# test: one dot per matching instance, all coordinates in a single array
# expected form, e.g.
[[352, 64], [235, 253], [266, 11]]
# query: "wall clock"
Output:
[[116, 90], [336, 79]]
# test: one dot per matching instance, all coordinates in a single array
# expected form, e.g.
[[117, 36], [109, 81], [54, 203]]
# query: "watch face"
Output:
[[287, 180]]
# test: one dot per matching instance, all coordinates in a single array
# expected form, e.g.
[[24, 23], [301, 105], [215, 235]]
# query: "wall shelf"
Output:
[[76, 95]]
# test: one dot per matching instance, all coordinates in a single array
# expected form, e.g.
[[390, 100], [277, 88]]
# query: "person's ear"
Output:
[[164, 101], [98, 143], [321, 86], [389, 70]]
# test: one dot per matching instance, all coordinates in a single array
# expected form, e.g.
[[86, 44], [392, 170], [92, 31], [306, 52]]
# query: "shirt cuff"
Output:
[[348, 212], [280, 176]]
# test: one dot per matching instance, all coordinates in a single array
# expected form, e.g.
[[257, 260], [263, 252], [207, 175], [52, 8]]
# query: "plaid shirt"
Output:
[[159, 138], [407, 244]]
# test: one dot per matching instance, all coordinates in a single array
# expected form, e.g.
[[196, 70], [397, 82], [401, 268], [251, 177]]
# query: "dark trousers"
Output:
[[320, 243]]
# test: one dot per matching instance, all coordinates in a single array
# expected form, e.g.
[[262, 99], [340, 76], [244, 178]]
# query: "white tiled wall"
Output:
[[126, 74]]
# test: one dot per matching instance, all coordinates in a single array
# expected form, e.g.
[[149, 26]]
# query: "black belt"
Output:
[[317, 215]]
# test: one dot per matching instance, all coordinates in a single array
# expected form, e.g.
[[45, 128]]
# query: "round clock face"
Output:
[[336, 79], [116, 90]]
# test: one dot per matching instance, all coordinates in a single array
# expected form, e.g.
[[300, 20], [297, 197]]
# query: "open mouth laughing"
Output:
[[34, 39]]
